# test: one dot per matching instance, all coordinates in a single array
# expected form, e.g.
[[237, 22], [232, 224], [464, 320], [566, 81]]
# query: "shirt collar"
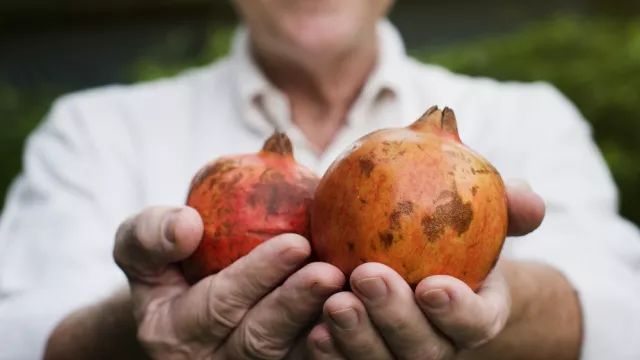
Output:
[[252, 84]]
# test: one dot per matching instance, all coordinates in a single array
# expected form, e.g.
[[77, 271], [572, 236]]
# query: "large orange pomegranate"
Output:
[[414, 198], [246, 199]]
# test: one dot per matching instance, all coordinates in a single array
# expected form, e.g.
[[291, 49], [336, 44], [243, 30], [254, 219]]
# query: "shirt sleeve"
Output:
[[582, 235], [59, 220]]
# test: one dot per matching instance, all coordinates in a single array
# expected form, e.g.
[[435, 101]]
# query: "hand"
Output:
[[384, 319], [257, 308]]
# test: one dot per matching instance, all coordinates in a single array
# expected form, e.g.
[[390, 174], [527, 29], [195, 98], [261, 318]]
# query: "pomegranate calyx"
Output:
[[278, 143], [436, 120]]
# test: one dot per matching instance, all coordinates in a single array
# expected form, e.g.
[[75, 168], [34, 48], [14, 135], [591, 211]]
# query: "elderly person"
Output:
[[106, 174]]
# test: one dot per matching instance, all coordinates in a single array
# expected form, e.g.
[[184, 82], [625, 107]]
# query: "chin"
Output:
[[322, 36]]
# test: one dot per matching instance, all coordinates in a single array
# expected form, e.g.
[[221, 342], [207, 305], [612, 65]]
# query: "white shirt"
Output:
[[104, 154]]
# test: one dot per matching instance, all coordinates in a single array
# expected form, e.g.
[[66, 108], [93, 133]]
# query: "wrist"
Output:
[[523, 285], [105, 330], [545, 320]]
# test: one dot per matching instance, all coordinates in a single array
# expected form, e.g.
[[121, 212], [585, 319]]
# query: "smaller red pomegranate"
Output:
[[414, 198], [245, 200]]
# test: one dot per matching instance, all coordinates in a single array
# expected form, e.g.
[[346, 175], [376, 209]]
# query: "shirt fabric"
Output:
[[103, 154]]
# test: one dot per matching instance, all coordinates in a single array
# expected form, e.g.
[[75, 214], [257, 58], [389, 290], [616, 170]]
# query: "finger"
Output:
[[352, 330], [146, 247], [526, 208], [271, 327], [469, 319], [149, 241], [321, 345], [391, 306], [217, 304]]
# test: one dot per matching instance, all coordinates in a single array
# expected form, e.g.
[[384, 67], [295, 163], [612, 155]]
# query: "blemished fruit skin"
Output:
[[415, 199], [246, 199]]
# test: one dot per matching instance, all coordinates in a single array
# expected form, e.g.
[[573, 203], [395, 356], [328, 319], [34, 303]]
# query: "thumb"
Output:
[[526, 209]]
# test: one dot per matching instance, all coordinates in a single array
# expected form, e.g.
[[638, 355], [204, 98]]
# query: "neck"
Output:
[[321, 90], [325, 80]]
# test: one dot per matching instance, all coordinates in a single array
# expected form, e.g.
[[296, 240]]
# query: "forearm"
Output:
[[106, 330], [546, 319]]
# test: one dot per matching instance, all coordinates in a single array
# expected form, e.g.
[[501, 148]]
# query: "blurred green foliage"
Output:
[[595, 62]]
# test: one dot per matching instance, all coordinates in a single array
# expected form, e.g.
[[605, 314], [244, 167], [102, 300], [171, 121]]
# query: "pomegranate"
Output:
[[246, 199], [415, 199]]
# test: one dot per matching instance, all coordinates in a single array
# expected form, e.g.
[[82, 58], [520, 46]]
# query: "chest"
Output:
[[206, 131]]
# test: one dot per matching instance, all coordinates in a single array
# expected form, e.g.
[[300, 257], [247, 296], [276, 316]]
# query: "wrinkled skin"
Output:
[[245, 200], [441, 319], [263, 305], [415, 199]]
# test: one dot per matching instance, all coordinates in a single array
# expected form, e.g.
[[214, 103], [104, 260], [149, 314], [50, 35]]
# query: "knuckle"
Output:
[[483, 336], [255, 344], [149, 336], [396, 321], [434, 351], [224, 311]]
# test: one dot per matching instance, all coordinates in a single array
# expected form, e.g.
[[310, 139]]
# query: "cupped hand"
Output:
[[383, 318], [257, 308]]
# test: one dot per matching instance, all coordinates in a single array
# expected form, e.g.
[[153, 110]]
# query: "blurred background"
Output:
[[589, 49]]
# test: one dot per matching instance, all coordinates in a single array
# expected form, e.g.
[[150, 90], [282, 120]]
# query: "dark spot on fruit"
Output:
[[404, 208], [451, 173], [386, 239], [402, 152], [212, 182], [225, 228], [277, 194], [363, 261], [444, 195], [484, 171], [420, 147], [474, 190], [272, 202], [351, 246], [234, 180], [213, 172], [366, 166], [454, 154], [394, 220], [363, 201], [454, 214]]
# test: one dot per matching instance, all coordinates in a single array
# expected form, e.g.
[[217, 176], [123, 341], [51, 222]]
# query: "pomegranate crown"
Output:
[[439, 121], [278, 143]]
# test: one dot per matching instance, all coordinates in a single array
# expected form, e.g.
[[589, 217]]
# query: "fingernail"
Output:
[[519, 184], [436, 299], [168, 230], [325, 345], [373, 288], [321, 290], [294, 256], [346, 319]]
